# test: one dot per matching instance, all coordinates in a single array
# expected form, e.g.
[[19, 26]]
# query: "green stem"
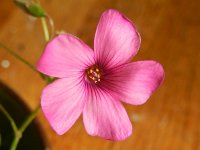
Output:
[[25, 124], [17, 133], [47, 38], [45, 29], [51, 23], [17, 56], [15, 141], [29, 119], [12, 122]]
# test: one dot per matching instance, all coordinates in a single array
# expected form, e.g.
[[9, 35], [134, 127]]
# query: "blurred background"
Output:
[[170, 31]]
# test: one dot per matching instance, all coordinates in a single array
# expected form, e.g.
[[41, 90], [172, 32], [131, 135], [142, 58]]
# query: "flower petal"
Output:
[[62, 103], [134, 82], [64, 56], [116, 39], [106, 117]]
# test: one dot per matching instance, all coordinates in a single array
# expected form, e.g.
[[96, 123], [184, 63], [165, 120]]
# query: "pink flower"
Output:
[[94, 82]]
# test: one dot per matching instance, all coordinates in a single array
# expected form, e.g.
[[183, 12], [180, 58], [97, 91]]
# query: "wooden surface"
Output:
[[170, 31]]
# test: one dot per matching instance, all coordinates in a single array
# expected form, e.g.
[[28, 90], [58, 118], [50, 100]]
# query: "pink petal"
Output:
[[134, 82], [106, 117], [116, 39], [62, 103], [65, 56]]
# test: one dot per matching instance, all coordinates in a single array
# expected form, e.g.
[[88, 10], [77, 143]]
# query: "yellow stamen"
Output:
[[93, 74]]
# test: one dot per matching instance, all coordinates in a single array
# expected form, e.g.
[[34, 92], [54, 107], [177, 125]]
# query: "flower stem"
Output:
[[25, 124], [17, 56], [51, 23], [45, 29], [15, 141], [12, 122], [17, 133], [29, 119]]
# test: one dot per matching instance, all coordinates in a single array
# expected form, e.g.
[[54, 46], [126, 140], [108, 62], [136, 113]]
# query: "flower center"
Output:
[[93, 74]]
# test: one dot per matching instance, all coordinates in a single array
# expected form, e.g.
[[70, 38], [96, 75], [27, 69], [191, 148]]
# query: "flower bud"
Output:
[[30, 7]]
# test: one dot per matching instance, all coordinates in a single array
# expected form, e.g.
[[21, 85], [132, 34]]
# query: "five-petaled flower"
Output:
[[94, 82]]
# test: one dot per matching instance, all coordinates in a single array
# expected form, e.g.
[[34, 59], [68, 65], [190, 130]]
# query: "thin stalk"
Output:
[[14, 127], [45, 29], [17, 56], [51, 23], [29, 119], [15, 142], [25, 124], [32, 116], [12, 122], [47, 38]]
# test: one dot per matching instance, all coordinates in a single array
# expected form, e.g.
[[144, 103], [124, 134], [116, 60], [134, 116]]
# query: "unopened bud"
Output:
[[30, 7]]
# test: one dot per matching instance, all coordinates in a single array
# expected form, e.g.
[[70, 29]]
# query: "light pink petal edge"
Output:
[[134, 82], [106, 117], [64, 56], [62, 103], [116, 40]]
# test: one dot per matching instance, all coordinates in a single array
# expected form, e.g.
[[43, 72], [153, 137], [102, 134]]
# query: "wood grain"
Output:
[[170, 31]]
